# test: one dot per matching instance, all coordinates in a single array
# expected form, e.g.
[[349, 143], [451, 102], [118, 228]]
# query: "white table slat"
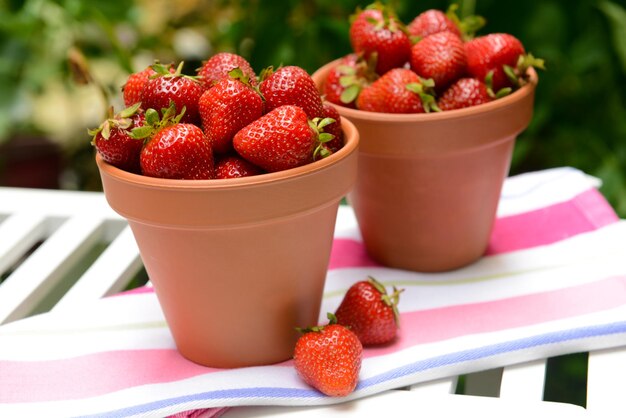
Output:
[[18, 233], [402, 403], [109, 274], [436, 387], [605, 389], [31, 282], [524, 381]]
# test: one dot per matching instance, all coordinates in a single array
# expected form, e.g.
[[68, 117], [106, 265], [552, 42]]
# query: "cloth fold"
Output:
[[552, 282]]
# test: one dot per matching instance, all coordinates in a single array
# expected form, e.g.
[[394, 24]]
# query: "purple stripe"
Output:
[[458, 357]]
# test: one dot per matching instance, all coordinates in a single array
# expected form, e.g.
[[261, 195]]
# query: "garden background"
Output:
[[45, 110]]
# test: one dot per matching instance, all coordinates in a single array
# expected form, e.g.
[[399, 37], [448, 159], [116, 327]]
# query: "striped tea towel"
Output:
[[552, 282]]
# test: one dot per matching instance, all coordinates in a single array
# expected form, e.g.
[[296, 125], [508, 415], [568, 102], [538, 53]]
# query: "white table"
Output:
[[61, 250]]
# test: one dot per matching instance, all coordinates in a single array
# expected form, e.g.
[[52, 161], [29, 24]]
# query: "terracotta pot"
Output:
[[428, 185], [237, 264]]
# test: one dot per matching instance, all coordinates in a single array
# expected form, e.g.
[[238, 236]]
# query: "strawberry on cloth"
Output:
[[329, 358]]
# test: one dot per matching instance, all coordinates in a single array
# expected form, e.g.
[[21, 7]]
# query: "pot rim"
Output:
[[505, 101], [350, 146]]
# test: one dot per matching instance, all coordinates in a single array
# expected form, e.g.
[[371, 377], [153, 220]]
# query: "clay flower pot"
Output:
[[236, 264], [428, 185]]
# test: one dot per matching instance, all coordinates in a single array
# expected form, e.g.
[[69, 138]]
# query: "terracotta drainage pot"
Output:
[[236, 264], [428, 185]]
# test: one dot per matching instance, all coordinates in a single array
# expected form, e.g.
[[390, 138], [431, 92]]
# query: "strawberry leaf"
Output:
[[142, 132], [350, 94]]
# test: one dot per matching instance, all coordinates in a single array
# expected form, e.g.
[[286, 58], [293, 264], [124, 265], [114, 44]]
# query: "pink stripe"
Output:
[[586, 212], [92, 375], [349, 253], [101, 373], [433, 325], [135, 291]]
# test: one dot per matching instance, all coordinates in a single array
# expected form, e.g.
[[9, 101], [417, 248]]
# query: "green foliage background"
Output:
[[580, 114]]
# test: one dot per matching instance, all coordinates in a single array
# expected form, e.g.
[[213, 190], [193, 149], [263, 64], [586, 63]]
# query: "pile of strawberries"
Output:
[[329, 357], [220, 123], [432, 64]]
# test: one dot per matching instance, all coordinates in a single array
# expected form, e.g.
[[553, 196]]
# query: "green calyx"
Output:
[[162, 70], [122, 120], [425, 90], [469, 25], [318, 125], [332, 319], [155, 122], [390, 300], [517, 76], [354, 78]]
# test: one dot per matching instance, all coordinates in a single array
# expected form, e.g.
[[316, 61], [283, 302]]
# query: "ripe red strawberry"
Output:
[[174, 150], [134, 86], [279, 140], [220, 64], [345, 81], [432, 21], [439, 56], [291, 85], [376, 30], [113, 141], [183, 90], [329, 358], [465, 92], [490, 55], [398, 91], [233, 166], [227, 107], [333, 128], [370, 312], [135, 83]]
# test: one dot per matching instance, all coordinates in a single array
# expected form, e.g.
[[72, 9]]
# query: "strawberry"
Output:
[[281, 139], [174, 150], [233, 166], [333, 128], [135, 83], [227, 107], [329, 358], [134, 86], [398, 91], [432, 21], [220, 64], [113, 141], [183, 90], [439, 56], [370, 312], [377, 30], [465, 92], [492, 56], [345, 81], [291, 85]]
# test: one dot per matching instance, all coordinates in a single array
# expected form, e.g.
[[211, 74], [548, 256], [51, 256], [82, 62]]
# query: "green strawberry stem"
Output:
[[470, 23], [162, 70], [121, 120], [390, 300], [155, 123], [424, 90], [332, 319], [318, 125]]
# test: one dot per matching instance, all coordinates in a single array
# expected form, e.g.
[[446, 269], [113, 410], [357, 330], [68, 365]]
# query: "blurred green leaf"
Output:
[[616, 15]]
